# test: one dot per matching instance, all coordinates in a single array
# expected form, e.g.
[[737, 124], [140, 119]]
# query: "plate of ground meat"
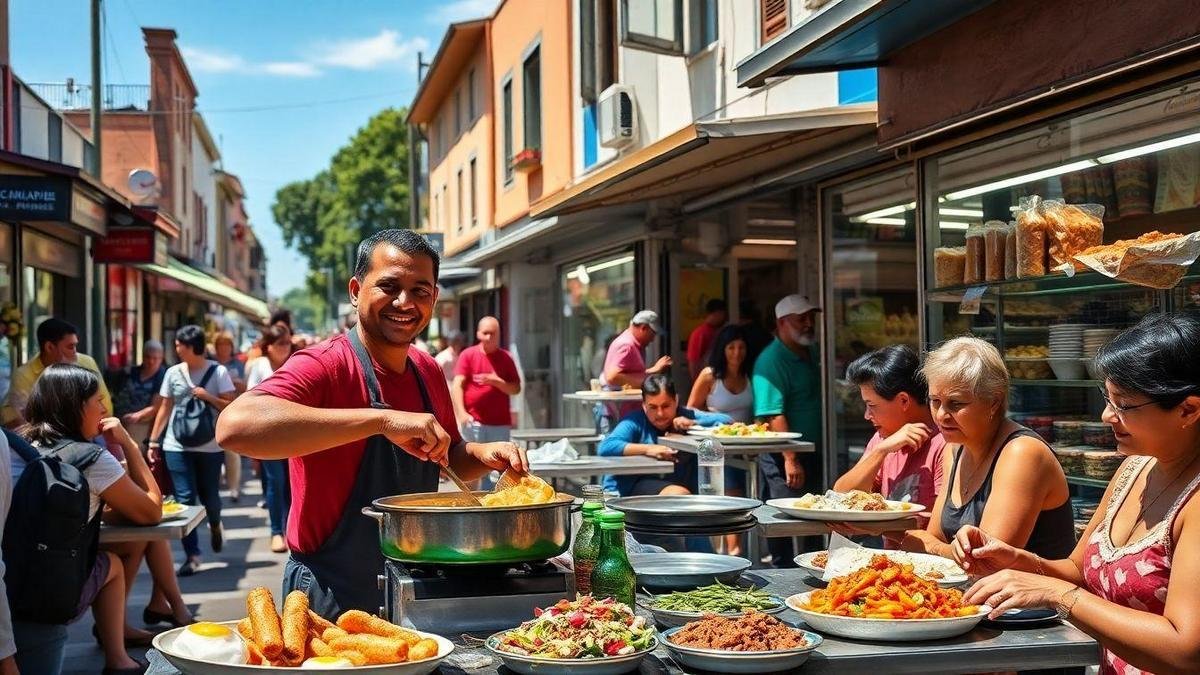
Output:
[[751, 643]]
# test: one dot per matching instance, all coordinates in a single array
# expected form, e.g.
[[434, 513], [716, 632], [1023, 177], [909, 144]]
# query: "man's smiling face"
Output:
[[395, 297]]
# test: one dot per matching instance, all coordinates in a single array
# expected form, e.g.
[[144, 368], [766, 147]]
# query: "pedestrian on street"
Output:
[[448, 357], [276, 346], [361, 416], [195, 460], [484, 379], [787, 395], [700, 342], [625, 364]]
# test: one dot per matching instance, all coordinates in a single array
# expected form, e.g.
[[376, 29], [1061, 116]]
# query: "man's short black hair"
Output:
[[412, 243], [191, 336], [53, 330], [715, 305], [656, 384], [283, 316], [890, 371]]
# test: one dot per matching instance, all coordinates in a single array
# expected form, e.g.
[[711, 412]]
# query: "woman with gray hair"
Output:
[[1002, 477], [136, 399]]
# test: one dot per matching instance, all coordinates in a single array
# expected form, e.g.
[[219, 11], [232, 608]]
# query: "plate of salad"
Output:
[[596, 637]]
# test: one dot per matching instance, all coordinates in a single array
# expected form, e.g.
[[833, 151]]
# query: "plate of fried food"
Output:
[[172, 510], [886, 600], [300, 639], [525, 491], [852, 506], [752, 642], [740, 432], [942, 571]]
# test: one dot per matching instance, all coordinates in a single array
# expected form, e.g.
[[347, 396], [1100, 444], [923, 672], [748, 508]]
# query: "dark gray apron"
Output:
[[342, 574]]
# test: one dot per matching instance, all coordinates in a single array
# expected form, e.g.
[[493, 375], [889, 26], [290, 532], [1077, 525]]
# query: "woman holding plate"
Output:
[[1002, 477], [1130, 582]]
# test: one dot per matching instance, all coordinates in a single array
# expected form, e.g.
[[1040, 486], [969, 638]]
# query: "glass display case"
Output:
[[1089, 181], [871, 297]]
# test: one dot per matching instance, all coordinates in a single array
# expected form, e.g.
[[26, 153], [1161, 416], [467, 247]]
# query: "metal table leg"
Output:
[[753, 548]]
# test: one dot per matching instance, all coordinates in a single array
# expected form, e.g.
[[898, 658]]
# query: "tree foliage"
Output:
[[363, 190], [309, 309]]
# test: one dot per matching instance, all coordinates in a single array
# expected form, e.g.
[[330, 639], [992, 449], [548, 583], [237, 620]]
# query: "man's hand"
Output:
[[660, 365], [500, 456], [8, 666], [909, 438], [202, 394], [662, 452], [794, 472], [682, 423], [490, 379], [418, 434]]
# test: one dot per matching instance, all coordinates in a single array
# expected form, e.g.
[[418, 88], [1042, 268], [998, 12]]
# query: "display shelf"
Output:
[[1088, 482], [1055, 383], [1052, 284]]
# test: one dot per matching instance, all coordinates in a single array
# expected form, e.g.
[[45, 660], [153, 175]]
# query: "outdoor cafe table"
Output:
[[175, 528], [982, 650], [625, 396], [586, 467], [532, 437]]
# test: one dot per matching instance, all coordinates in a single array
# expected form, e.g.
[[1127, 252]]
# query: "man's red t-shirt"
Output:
[[700, 343], [485, 403], [328, 375]]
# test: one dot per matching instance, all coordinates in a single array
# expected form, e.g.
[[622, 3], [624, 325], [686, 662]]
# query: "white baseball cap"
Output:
[[647, 317], [794, 304]]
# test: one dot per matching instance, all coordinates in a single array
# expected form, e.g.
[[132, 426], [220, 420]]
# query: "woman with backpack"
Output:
[[64, 410], [194, 391]]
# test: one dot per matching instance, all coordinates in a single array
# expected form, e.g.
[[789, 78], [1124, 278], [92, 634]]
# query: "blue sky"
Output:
[[352, 58]]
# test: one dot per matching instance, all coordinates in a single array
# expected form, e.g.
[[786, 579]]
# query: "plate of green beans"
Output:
[[680, 607]]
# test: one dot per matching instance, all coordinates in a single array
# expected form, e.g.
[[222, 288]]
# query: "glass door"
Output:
[[871, 292]]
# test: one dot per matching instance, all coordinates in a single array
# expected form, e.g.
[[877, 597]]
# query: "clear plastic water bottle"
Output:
[[711, 459]]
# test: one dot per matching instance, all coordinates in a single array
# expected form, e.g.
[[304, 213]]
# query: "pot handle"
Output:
[[372, 513]]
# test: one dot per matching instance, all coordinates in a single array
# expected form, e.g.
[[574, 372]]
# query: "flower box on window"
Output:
[[527, 159]]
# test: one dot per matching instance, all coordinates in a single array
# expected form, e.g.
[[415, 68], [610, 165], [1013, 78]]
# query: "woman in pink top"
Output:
[[1131, 580], [904, 457]]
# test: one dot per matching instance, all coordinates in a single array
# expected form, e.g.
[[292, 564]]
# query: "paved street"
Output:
[[218, 592]]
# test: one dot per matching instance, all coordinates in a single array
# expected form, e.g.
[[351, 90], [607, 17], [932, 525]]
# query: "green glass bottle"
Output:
[[613, 576], [587, 547]]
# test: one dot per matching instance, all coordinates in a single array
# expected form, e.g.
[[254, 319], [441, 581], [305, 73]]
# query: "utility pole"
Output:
[[97, 279], [97, 88]]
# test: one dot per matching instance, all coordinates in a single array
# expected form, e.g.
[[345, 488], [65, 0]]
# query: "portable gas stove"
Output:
[[470, 598]]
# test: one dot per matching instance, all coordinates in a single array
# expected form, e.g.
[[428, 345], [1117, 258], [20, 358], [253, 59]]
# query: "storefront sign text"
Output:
[[35, 198]]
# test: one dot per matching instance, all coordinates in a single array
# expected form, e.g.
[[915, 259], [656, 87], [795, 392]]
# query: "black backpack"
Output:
[[195, 422], [48, 535]]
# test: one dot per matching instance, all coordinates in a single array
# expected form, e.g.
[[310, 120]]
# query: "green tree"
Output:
[[309, 310], [364, 190]]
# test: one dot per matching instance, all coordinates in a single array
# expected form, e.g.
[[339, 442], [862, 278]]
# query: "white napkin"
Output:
[[550, 453]]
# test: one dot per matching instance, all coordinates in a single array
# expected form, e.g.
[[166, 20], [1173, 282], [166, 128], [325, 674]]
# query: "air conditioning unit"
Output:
[[618, 119]]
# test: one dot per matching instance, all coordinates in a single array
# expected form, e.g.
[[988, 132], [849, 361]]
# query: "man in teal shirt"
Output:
[[787, 395]]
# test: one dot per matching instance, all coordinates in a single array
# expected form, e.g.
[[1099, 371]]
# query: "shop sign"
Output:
[[35, 198], [127, 246]]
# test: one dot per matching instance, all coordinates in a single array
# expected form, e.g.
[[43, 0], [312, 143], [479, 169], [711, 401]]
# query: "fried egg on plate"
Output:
[[326, 662], [207, 641]]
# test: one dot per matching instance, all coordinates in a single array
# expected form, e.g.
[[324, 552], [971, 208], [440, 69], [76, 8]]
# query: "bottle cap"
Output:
[[591, 508], [610, 519]]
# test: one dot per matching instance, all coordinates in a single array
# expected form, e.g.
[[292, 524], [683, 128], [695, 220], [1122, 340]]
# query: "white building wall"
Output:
[[35, 128], [72, 146], [204, 182]]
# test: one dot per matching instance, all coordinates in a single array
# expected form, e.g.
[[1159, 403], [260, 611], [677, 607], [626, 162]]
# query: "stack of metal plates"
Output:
[[687, 515]]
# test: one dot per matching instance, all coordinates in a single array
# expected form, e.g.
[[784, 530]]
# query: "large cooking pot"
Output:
[[416, 529]]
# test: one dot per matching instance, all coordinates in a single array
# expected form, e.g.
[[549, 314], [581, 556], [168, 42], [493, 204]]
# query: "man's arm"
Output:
[[618, 378], [458, 397], [262, 426], [863, 475]]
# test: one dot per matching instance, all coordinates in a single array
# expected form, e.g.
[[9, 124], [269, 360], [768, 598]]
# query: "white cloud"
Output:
[[207, 61], [461, 10], [290, 69], [369, 53]]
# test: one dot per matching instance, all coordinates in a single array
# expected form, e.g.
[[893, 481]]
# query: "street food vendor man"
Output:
[[361, 416]]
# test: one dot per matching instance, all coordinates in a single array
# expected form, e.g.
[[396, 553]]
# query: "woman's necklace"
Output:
[[1142, 511], [964, 481]]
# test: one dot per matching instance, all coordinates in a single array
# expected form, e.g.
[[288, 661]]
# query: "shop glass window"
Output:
[[872, 299], [653, 25], [703, 24], [531, 108], [507, 120], [599, 299]]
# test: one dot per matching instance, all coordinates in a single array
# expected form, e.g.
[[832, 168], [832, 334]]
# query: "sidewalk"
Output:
[[217, 592]]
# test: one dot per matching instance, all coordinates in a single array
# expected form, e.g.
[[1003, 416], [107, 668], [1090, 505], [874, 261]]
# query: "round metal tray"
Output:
[[716, 529], [686, 570], [684, 510]]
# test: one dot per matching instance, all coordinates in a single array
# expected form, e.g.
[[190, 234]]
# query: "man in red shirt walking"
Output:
[[484, 378], [701, 340], [360, 416]]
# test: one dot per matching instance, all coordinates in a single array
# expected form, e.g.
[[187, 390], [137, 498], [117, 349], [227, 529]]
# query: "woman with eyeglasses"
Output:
[[1131, 580], [1001, 477]]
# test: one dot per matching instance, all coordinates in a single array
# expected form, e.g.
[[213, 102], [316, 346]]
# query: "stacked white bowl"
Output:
[[1066, 350], [1093, 340]]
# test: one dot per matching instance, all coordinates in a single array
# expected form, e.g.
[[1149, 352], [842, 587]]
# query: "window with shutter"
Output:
[[774, 19]]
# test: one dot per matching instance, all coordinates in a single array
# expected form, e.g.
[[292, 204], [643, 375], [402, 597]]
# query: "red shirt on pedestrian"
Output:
[[328, 375], [485, 403], [700, 343]]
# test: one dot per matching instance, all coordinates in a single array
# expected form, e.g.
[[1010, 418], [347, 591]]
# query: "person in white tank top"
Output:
[[724, 386]]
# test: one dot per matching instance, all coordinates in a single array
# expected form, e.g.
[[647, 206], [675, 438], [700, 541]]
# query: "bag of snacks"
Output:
[[1071, 229], [949, 264], [1155, 260], [993, 249], [1031, 239], [976, 257], [1010, 251]]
